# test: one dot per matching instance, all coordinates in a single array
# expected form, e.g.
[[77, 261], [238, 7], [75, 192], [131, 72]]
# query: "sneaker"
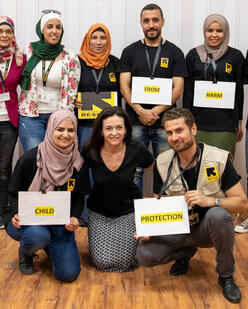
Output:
[[242, 227], [181, 266], [230, 290], [26, 265]]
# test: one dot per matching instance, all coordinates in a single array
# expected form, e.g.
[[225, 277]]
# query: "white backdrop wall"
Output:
[[183, 25]]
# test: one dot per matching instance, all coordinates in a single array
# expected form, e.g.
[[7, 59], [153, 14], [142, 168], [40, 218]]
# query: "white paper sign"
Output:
[[219, 95], [4, 96], [151, 91], [166, 216], [52, 208]]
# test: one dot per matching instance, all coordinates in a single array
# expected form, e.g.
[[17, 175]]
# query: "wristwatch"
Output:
[[217, 202]]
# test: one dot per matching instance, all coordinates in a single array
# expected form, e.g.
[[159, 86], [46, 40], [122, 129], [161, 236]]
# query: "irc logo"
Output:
[[211, 173], [164, 62], [228, 68], [112, 77], [70, 184]]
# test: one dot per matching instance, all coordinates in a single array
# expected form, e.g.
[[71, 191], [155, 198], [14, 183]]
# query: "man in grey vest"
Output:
[[212, 189]]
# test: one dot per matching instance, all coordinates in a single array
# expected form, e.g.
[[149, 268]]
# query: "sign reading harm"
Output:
[[215, 95]]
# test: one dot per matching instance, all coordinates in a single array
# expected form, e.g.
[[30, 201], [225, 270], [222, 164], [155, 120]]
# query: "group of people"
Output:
[[105, 153]]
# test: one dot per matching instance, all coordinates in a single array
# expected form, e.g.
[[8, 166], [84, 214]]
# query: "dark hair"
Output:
[[176, 113], [151, 7], [98, 29], [96, 141]]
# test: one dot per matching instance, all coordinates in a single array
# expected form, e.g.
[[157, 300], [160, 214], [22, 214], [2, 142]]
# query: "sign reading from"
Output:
[[151, 91]]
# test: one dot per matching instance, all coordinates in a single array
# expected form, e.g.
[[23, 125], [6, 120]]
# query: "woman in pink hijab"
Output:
[[50, 167]]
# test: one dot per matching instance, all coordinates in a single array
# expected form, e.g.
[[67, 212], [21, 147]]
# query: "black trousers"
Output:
[[8, 137]]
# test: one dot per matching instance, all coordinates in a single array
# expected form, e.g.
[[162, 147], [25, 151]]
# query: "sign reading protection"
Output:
[[151, 91], [219, 95], [52, 208], [168, 215]]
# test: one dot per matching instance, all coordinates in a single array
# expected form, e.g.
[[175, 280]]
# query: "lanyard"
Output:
[[46, 72], [4, 75], [152, 70], [206, 66], [166, 185], [97, 79]]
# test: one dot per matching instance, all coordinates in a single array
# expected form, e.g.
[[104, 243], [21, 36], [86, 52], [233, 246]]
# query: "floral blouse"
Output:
[[28, 105]]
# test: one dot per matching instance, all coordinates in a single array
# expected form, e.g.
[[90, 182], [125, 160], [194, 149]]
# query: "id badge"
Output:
[[43, 98], [193, 219], [4, 96]]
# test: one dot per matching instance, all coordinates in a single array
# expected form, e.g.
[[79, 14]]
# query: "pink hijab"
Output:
[[219, 51], [55, 165]]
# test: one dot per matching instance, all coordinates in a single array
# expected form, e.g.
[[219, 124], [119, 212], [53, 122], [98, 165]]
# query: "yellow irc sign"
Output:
[[214, 95], [152, 89], [44, 211], [164, 62], [161, 218], [211, 173]]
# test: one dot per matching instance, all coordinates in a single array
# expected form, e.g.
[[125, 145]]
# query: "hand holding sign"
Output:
[[165, 216]]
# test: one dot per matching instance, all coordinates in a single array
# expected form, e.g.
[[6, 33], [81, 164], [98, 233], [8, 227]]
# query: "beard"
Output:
[[182, 146], [153, 37]]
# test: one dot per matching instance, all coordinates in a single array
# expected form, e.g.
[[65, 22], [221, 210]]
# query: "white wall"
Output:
[[183, 26]]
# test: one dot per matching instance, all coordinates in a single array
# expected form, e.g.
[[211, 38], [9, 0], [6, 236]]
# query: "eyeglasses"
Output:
[[44, 12], [7, 32]]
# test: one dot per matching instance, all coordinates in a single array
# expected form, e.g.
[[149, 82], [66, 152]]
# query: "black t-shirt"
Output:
[[171, 63], [216, 119], [228, 180], [87, 83], [113, 192]]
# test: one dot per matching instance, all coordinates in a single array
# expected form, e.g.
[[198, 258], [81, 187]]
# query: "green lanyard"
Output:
[[46, 72]]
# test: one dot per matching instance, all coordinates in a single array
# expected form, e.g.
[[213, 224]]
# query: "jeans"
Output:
[[84, 134], [8, 137], [158, 139], [59, 244], [215, 230], [32, 130]]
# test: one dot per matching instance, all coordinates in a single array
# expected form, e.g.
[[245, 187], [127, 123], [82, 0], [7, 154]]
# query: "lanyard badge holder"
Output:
[[4, 96], [206, 66], [193, 217], [152, 70]]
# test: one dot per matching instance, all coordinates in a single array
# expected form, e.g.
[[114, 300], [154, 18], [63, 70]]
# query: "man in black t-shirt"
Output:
[[212, 188], [168, 63]]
